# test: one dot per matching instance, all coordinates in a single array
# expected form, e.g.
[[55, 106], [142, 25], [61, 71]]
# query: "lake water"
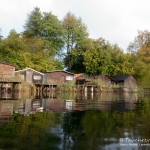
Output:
[[70, 121]]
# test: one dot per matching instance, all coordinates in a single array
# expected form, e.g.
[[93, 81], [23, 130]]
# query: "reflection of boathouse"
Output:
[[60, 105], [6, 111], [106, 101]]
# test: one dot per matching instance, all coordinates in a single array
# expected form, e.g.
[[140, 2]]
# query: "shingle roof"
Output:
[[59, 71], [120, 78]]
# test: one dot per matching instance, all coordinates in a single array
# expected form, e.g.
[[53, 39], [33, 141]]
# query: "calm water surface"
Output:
[[75, 122]]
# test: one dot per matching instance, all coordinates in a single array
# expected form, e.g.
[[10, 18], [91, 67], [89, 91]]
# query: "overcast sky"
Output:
[[118, 21]]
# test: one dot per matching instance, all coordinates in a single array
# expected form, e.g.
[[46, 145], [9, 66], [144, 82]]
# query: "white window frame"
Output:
[[37, 77], [69, 78]]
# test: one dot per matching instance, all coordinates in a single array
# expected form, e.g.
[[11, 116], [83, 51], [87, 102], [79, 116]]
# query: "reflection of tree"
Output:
[[142, 115], [72, 131], [71, 124], [90, 128], [30, 131]]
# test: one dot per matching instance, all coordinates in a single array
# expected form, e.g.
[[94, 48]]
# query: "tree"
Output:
[[98, 59], [75, 58], [105, 58], [46, 26], [140, 52], [25, 51], [33, 23], [41, 55], [11, 48], [1, 35], [75, 35], [122, 63], [52, 31], [141, 45]]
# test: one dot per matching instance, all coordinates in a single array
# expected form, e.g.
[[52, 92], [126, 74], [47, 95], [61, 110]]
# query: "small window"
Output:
[[69, 105], [69, 77], [36, 77]]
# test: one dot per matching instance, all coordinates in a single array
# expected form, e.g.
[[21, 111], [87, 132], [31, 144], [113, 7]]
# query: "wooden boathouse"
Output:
[[48, 81], [37, 79], [8, 81], [58, 76]]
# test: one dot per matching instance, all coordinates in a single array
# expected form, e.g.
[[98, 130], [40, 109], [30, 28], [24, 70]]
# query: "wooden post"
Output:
[[85, 89], [91, 88], [91, 95]]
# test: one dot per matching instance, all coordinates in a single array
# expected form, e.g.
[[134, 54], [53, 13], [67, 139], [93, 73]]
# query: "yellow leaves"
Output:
[[145, 52]]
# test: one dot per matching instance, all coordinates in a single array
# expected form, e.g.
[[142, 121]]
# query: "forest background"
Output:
[[48, 44]]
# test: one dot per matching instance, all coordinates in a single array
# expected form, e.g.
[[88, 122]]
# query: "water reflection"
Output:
[[75, 121]]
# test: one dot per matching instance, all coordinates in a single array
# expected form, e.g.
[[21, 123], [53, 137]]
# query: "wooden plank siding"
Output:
[[7, 70], [126, 82], [30, 75], [59, 76]]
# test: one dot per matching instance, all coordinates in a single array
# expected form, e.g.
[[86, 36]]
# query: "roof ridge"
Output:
[[30, 69]]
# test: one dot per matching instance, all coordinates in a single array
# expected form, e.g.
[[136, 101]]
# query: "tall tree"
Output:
[[33, 23], [141, 45], [140, 52], [24, 52], [98, 60], [12, 47], [75, 34], [52, 31], [105, 58], [75, 31], [0, 34], [46, 26]]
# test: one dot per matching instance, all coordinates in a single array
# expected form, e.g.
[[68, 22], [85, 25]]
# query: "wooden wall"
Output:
[[6, 70], [130, 83], [57, 77]]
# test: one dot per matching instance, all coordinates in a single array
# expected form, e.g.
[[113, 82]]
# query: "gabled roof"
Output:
[[29, 69], [119, 78], [103, 76], [59, 71]]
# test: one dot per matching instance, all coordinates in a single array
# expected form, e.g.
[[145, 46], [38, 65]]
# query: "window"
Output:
[[69, 104], [37, 77], [69, 77]]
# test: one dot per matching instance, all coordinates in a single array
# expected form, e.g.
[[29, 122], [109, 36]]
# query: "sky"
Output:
[[117, 21]]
